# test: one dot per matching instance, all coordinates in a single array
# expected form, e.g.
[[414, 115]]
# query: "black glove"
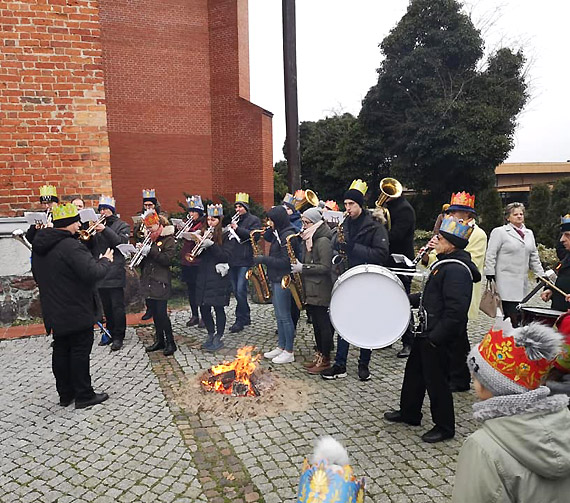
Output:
[[258, 259], [346, 247], [491, 277]]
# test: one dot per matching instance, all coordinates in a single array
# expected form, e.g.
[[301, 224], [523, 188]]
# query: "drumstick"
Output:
[[553, 286]]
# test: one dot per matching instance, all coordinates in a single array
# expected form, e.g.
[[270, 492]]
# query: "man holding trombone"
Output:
[[241, 258], [109, 232]]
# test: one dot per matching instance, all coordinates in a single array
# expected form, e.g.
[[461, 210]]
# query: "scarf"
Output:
[[307, 235], [156, 234], [520, 231]]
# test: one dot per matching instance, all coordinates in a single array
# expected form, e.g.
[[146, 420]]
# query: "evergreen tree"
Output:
[[490, 210], [537, 216]]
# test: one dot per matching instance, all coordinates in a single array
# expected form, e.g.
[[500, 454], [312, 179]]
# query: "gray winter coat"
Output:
[[317, 280], [116, 232], [522, 458]]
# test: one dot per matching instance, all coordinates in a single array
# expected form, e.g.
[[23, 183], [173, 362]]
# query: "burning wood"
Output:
[[236, 377]]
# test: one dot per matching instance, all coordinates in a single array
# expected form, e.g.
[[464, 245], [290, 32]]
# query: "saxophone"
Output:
[[341, 260], [257, 272], [293, 281]]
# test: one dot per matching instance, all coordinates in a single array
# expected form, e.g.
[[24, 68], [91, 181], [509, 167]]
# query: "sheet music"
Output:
[[126, 249], [88, 215], [35, 217]]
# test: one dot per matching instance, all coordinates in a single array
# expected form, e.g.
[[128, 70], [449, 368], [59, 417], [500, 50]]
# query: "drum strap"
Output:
[[450, 260]]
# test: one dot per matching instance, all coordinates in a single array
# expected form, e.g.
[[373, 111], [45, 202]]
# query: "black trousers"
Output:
[[189, 276], [159, 311], [295, 313], [408, 336], [70, 365], [323, 329], [206, 311], [113, 300], [427, 370], [458, 349]]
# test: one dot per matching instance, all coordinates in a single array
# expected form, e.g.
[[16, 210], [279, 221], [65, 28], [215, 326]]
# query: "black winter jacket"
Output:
[[241, 254], [211, 288], [66, 274], [116, 232], [447, 295], [155, 274], [401, 234], [562, 282], [370, 243], [277, 262]]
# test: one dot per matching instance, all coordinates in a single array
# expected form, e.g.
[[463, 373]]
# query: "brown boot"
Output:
[[322, 364], [313, 362]]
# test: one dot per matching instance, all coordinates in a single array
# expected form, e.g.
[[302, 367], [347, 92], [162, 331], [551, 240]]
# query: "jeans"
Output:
[[113, 300], [239, 286], [342, 353], [282, 305], [70, 365]]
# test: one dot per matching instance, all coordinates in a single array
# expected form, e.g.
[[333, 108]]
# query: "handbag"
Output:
[[490, 300]]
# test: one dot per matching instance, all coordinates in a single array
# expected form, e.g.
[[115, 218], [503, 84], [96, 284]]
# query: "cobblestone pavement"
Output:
[[141, 446]]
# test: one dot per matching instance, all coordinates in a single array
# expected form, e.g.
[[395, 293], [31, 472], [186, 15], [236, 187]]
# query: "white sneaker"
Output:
[[272, 354], [284, 357]]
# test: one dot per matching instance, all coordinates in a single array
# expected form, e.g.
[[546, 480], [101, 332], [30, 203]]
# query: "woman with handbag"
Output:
[[510, 254]]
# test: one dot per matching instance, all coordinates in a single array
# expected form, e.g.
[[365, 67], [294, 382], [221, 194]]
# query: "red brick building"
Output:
[[120, 95]]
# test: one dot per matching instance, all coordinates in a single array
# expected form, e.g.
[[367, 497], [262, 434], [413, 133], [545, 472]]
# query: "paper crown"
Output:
[[107, 201], [149, 194], [359, 185], [462, 201], [331, 205], [242, 197], [565, 223], [511, 360], [195, 203], [456, 227], [324, 483], [299, 195], [48, 191], [150, 218], [61, 211], [215, 210], [289, 198]]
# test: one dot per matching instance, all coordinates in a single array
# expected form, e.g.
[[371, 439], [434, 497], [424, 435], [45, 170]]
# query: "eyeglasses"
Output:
[[148, 205]]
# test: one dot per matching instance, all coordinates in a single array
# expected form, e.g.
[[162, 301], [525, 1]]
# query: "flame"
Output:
[[244, 365]]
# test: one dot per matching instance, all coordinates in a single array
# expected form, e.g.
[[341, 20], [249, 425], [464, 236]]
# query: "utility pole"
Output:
[[291, 107]]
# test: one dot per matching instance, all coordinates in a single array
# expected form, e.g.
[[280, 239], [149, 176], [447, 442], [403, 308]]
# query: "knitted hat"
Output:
[[106, 202], [64, 215], [313, 214], [356, 192], [512, 361]]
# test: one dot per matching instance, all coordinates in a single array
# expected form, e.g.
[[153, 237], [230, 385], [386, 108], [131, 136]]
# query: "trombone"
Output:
[[87, 234], [199, 247], [137, 258], [390, 188], [185, 228]]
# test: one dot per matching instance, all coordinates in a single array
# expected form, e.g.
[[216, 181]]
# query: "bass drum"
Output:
[[369, 307]]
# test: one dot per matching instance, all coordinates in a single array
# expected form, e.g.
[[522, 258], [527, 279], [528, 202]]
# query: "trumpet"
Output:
[[136, 259], [390, 188], [20, 235], [199, 247], [235, 218], [185, 228], [87, 234]]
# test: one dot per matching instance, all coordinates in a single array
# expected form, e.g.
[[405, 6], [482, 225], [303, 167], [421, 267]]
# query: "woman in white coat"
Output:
[[510, 254]]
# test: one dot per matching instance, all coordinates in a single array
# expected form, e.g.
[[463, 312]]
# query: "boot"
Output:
[[216, 343], [322, 364], [316, 358], [207, 345], [170, 346], [158, 343]]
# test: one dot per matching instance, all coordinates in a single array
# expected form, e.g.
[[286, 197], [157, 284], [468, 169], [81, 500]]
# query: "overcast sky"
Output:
[[338, 54]]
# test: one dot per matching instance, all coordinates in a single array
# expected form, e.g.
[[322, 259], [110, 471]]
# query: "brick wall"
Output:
[[52, 102]]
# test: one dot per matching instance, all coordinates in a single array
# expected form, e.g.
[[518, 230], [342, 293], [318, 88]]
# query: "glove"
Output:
[[222, 269], [258, 259], [206, 243], [297, 268], [346, 247], [145, 250], [491, 277]]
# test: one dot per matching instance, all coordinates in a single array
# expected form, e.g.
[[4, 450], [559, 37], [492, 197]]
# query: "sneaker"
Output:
[[236, 327], [334, 372], [284, 357], [272, 354], [363, 372]]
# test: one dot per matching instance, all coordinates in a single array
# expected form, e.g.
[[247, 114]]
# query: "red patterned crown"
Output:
[[462, 201], [514, 363], [150, 218]]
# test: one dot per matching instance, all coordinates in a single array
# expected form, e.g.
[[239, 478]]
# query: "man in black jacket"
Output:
[[66, 274], [562, 269], [443, 308], [401, 234], [109, 234], [241, 258], [365, 242]]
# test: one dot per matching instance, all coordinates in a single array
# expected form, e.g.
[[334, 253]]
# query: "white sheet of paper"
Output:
[[126, 249], [137, 219], [192, 236], [88, 215], [333, 216], [35, 217]]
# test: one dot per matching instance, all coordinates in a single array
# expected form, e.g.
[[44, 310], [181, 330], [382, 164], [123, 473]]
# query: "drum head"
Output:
[[369, 307]]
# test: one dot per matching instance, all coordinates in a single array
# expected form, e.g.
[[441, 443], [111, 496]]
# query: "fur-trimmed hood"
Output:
[[167, 230]]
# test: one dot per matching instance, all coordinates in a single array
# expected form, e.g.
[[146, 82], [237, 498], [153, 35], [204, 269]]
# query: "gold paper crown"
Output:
[[359, 185], [242, 197], [463, 199], [48, 190], [61, 211], [215, 210], [148, 194]]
